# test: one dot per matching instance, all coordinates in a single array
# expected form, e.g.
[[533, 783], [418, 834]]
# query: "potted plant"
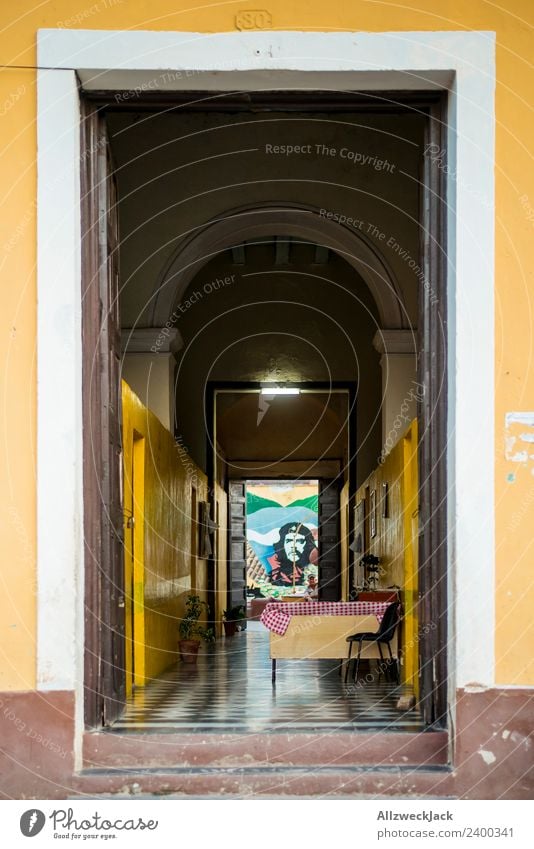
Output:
[[191, 631], [241, 614], [232, 617]]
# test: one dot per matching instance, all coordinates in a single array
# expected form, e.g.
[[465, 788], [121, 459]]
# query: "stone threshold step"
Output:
[[261, 769], [157, 751], [253, 782], [170, 797]]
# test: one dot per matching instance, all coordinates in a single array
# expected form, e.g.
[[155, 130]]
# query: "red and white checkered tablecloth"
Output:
[[277, 616]]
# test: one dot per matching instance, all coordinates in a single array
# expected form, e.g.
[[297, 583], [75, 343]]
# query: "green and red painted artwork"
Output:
[[282, 528]]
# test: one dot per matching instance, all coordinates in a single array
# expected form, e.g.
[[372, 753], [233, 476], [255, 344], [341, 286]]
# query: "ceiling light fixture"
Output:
[[280, 390]]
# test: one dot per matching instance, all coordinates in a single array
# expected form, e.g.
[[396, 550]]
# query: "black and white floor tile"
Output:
[[231, 691]]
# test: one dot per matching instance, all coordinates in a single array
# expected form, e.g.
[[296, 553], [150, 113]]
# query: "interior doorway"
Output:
[[289, 437], [282, 258]]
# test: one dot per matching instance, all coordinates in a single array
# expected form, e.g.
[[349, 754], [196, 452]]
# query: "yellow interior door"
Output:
[[138, 560], [134, 566], [128, 570]]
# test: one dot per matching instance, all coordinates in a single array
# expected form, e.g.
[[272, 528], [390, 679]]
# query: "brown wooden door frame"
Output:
[[237, 543], [432, 414], [329, 539], [104, 672], [432, 375]]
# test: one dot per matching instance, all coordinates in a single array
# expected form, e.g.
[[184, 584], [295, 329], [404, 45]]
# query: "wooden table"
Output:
[[313, 634]]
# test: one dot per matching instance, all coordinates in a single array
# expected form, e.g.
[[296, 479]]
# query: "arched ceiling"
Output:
[[307, 224]]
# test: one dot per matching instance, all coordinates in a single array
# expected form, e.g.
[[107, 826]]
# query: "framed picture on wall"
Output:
[[359, 528], [385, 501], [358, 547], [372, 513], [204, 525]]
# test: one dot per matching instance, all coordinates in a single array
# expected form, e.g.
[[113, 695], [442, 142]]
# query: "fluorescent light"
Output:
[[280, 390]]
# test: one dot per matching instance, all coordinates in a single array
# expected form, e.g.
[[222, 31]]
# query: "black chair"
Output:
[[385, 634]]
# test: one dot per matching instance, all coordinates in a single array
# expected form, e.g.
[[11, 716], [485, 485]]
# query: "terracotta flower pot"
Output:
[[230, 628], [189, 650]]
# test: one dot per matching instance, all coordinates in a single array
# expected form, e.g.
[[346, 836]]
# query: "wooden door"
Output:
[[329, 542], [103, 532], [432, 429], [237, 574]]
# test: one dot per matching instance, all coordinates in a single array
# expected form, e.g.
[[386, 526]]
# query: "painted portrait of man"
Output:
[[295, 544]]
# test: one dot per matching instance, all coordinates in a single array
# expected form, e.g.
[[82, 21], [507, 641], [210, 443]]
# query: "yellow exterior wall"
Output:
[[168, 564], [395, 542], [18, 383], [514, 262]]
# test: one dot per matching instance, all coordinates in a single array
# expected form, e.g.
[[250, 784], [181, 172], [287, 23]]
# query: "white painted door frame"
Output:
[[463, 62]]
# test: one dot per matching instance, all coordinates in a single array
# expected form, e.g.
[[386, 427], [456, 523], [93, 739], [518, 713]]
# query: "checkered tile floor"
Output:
[[231, 691]]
